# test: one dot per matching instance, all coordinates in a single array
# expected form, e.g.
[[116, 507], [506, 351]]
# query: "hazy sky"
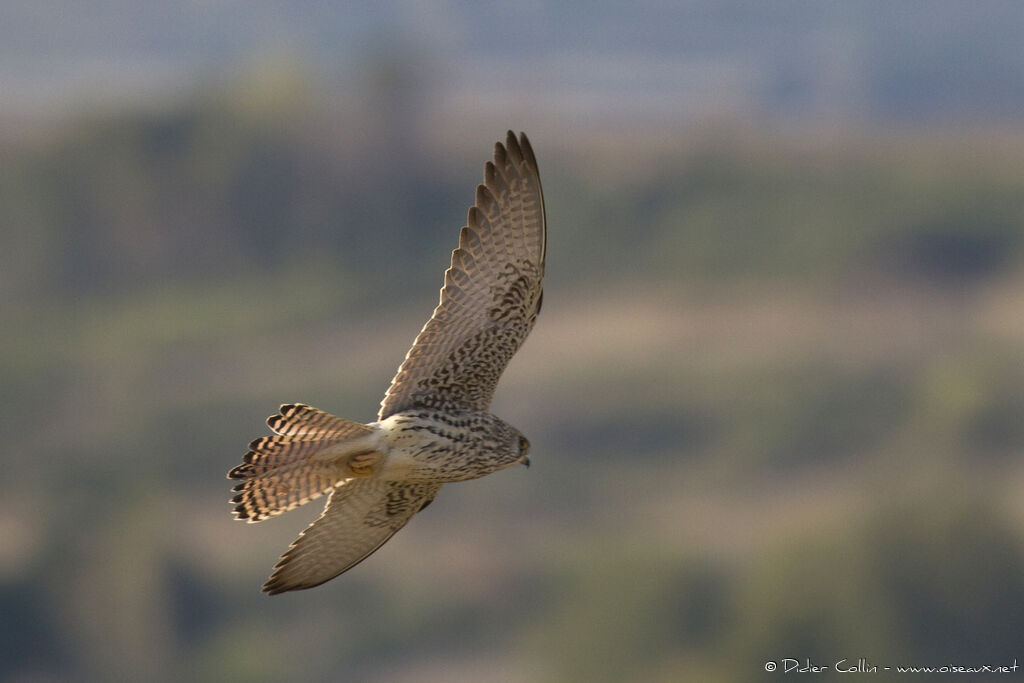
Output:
[[924, 60]]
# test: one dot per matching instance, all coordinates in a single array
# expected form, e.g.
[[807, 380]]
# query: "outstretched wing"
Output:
[[491, 295], [361, 515]]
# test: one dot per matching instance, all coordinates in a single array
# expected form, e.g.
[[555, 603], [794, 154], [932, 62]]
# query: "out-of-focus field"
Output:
[[775, 399]]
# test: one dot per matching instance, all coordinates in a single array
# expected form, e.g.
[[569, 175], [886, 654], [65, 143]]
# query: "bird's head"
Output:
[[524, 450], [509, 445]]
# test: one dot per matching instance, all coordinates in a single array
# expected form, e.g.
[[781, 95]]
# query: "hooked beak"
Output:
[[525, 460]]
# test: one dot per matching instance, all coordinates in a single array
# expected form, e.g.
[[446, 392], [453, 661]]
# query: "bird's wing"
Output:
[[360, 517], [491, 295]]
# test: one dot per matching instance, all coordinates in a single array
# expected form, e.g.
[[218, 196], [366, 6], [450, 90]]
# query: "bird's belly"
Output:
[[434, 448], [429, 464]]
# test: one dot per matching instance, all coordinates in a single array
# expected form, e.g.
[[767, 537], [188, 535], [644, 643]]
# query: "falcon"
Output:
[[434, 425]]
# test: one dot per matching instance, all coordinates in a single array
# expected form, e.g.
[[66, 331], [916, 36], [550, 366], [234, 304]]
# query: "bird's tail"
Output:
[[310, 453]]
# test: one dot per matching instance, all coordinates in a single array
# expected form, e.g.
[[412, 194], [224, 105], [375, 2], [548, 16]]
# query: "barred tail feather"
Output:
[[301, 420], [312, 453], [284, 489]]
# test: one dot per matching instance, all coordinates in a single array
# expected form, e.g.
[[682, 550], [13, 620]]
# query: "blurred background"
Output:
[[776, 396]]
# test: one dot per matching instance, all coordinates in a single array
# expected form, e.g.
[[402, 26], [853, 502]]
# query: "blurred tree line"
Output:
[[263, 176], [148, 256]]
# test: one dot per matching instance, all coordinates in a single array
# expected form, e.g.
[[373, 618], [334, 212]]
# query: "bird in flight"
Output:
[[434, 424]]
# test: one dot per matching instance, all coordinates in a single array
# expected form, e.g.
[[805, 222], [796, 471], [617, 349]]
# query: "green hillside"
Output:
[[775, 400]]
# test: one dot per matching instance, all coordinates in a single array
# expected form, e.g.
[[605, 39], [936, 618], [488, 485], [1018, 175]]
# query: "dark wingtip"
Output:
[[512, 144], [527, 150], [275, 584], [518, 148]]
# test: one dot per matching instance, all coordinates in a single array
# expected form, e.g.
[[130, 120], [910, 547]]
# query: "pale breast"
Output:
[[432, 446]]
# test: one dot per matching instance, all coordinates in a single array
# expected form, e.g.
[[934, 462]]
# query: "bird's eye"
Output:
[[524, 445]]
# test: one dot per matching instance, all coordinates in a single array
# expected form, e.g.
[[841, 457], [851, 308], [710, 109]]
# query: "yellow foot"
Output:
[[362, 464]]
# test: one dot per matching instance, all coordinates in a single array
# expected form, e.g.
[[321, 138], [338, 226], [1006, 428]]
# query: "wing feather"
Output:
[[491, 293], [360, 516]]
